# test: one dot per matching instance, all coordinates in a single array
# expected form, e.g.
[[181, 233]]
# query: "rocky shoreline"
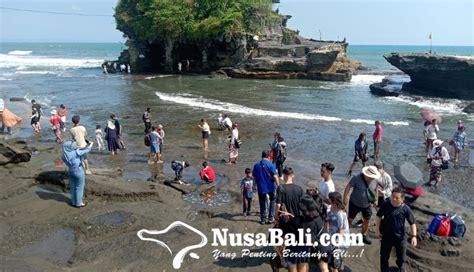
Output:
[[40, 231]]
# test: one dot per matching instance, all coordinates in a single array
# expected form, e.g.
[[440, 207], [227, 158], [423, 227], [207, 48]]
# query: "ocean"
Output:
[[319, 120]]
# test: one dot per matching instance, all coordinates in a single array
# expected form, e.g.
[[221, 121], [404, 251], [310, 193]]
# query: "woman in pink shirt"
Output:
[[377, 137]]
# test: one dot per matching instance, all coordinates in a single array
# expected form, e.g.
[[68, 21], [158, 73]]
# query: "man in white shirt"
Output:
[[326, 186], [431, 135], [227, 122]]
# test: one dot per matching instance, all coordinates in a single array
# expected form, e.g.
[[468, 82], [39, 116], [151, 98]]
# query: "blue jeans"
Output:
[[76, 186], [262, 199]]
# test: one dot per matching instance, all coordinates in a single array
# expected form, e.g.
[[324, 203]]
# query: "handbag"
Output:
[[237, 143], [371, 196], [445, 165]]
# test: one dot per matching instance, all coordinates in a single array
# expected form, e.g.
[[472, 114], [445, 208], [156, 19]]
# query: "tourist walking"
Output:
[[247, 190], [234, 145], [99, 138], [326, 186], [73, 157], [266, 182], [36, 113], [155, 153], [384, 184], [55, 121], [7, 118], [79, 133], [288, 196], [459, 141], [207, 174], [63, 115], [390, 228], [360, 153], [274, 147], [205, 131], [439, 157], [226, 122], [111, 137], [377, 137], [337, 224], [362, 197], [280, 155], [146, 117], [431, 135], [119, 131]]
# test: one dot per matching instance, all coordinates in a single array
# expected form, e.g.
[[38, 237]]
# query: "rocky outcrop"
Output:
[[469, 109], [14, 152], [382, 89], [436, 75], [272, 52]]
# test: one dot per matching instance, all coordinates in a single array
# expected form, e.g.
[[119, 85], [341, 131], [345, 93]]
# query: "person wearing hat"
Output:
[[55, 121], [287, 197], [439, 155], [7, 118], [362, 196]]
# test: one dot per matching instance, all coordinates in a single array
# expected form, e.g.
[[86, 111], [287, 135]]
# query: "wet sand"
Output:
[[40, 232]]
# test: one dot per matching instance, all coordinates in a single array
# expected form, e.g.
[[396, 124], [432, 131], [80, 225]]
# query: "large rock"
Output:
[[436, 75], [14, 152], [469, 108], [381, 89]]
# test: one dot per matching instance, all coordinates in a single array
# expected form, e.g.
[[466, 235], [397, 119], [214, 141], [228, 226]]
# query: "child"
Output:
[[99, 137], [337, 223], [207, 174], [246, 185], [178, 167]]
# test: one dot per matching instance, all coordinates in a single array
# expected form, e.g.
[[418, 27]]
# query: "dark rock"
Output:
[[53, 177], [17, 99], [381, 89], [451, 252], [14, 152], [453, 241], [436, 75], [469, 109]]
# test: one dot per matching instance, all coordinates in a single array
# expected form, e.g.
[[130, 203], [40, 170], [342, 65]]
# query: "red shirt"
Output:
[[377, 137], [209, 171], [55, 120]]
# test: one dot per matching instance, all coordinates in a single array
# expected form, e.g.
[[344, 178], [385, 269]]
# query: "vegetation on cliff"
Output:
[[190, 20]]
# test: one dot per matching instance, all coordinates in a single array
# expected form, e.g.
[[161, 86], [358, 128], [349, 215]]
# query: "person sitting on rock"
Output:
[[207, 174], [178, 167]]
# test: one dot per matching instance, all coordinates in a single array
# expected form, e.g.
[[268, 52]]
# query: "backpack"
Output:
[[434, 225], [458, 228], [147, 139], [444, 228]]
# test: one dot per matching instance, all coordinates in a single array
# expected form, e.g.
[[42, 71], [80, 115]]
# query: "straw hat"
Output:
[[371, 172], [437, 142], [312, 184], [54, 112]]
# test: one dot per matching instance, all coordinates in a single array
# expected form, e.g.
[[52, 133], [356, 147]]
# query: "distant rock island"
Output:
[[242, 39], [434, 75]]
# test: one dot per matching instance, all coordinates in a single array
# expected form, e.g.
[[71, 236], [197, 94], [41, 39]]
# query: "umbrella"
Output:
[[429, 115], [408, 175]]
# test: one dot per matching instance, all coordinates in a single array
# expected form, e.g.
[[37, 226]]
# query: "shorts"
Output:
[[205, 134], [363, 158], [84, 156], [354, 210], [155, 148], [35, 120], [377, 146], [298, 254]]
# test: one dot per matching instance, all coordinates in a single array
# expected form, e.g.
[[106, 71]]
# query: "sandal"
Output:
[[83, 205]]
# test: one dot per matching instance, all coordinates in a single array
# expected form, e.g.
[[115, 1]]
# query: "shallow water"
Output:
[[319, 120]]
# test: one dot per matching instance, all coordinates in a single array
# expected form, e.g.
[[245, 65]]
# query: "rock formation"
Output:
[[436, 75], [14, 152], [273, 51]]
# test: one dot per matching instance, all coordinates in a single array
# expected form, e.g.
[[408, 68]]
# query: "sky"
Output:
[[378, 22]]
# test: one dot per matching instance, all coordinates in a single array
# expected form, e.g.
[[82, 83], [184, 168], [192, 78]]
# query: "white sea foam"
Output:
[[35, 72], [19, 52], [15, 61], [371, 122], [296, 87], [211, 104], [4, 79], [365, 79], [445, 106]]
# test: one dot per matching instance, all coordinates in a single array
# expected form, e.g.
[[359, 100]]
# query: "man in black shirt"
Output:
[[288, 197], [391, 229]]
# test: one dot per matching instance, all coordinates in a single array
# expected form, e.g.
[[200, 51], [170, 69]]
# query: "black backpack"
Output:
[[147, 139]]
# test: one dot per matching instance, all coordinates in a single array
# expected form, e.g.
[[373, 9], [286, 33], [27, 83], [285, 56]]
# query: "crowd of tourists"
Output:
[[282, 203]]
